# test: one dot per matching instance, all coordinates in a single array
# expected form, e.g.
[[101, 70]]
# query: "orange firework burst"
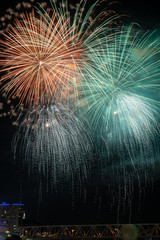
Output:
[[39, 58]]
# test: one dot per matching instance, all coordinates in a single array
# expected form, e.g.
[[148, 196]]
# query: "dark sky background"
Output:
[[60, 206]]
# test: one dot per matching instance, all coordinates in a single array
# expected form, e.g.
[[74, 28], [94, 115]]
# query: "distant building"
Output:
[[13, 215], [4, 228], [4, 231]]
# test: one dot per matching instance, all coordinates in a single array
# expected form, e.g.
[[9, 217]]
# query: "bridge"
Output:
[[103, 231]]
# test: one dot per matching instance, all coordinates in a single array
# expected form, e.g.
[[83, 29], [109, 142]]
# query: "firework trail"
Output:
[[119, 96], [8, 107], [10, 14], [89, 27], [53, 142], [40, 55], [88, 24], [41, 58], [37, 58]]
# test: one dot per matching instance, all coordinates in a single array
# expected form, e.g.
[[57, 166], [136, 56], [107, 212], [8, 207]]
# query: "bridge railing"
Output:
[[103, 231]]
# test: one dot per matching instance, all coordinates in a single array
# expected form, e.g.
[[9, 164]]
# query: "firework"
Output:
[[121, 95], [37, 55], [90, 27], [8, 107], [10, 14], [53, 142], [88, 23], [41, 55]]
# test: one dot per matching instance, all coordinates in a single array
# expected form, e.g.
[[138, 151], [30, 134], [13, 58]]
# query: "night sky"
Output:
[[59, 206]]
